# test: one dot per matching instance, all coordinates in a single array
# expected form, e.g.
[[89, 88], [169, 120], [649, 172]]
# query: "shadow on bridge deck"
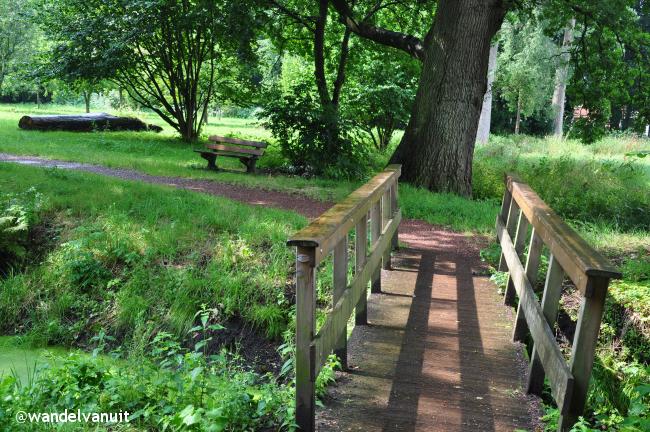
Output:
[[437, 354]]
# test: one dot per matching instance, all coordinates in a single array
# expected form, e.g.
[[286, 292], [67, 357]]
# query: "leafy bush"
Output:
[[184, 391], [18, 215], [315, 140]]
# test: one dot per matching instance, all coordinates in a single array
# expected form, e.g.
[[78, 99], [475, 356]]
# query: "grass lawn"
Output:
[[157, 154]]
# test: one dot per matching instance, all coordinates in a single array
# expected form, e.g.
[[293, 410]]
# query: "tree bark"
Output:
[[483, 133], [87, 96], [518, 115], [561, 76], [437, 148]]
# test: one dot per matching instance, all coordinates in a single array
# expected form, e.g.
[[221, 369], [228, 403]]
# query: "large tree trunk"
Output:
[[438, 145], [483, 133], [561, 76], [84, 123]]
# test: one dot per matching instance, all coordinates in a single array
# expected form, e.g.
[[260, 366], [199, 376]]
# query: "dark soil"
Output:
[[255, 350]]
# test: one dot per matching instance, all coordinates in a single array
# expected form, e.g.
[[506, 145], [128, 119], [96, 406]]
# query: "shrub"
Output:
[[18, 215], [184, 391], [314, 139]]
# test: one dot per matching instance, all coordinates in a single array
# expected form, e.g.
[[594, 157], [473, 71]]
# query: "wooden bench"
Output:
[[248, 152]]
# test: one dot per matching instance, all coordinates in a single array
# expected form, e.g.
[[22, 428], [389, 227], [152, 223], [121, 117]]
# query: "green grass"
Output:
[[135, 259], [156, 154]]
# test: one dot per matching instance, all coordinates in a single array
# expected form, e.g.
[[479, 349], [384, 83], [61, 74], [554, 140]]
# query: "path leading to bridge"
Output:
[[437, 353]]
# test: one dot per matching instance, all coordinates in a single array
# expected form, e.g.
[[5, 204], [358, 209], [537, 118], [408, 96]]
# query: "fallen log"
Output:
[[85, 123]]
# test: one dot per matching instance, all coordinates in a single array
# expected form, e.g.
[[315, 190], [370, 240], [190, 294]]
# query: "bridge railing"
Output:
[[374, 204], [569, 255]]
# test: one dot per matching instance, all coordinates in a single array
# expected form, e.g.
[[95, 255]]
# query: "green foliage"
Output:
[[610, 62], [525, 67], [380, 95], [619, 398], [18, 215], [16, 36], [315, 139], [186, 392]]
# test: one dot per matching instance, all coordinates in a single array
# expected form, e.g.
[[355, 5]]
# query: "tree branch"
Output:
[[407, 43]]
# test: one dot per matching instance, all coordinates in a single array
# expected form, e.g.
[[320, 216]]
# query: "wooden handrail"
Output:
[[327, 230], [374, 204], [578, 259], [570, 255]]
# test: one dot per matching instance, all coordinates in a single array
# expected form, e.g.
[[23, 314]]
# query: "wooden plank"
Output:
[[520, 239], [340, 285], [305, 328], [360, 252], [375, 233], [235, 149], [583, 349], [511, 223], [555, 366], [324, 232], [550, 306], [532, 266], [228, 140], [578, 259], [337, 319], [386, 215]]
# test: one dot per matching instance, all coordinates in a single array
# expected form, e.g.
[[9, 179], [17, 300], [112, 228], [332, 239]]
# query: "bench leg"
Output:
[[212, 160], [250, 164]]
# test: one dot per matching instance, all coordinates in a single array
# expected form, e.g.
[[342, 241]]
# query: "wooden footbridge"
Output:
[[432, 346]]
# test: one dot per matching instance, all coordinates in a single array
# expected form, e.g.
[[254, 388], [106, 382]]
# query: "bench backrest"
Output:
[[255, 148]]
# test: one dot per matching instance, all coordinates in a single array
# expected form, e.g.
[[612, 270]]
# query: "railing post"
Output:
[[516, 219], [340, 284], [305, 329], [386, 215], [532, 266], [360, 250], [584, 347], [375, 232], [393, 201], [550, 306], [509, 220]]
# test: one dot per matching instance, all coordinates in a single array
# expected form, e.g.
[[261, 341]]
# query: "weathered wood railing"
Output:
[[374, 203], [570, 255]]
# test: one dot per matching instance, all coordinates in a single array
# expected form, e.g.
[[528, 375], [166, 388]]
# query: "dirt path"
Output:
[[437, 353], [294, 202]]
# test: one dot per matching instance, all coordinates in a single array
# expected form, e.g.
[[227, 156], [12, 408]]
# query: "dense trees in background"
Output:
[[17, 36], [336, 79]]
